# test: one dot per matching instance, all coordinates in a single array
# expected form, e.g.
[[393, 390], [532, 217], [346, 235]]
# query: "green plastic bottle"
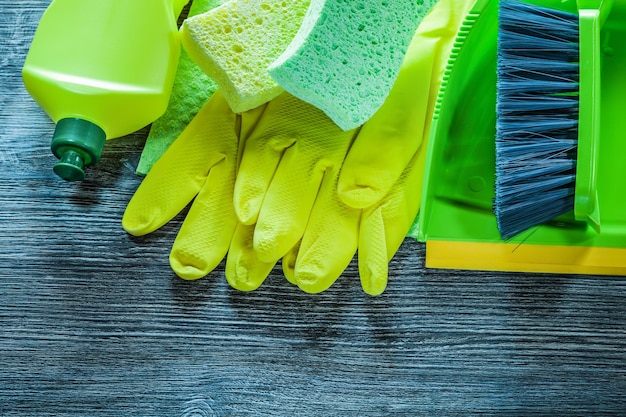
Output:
[[101, 69]]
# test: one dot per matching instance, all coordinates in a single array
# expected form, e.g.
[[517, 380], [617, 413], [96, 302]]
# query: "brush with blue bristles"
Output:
[[536, 116]]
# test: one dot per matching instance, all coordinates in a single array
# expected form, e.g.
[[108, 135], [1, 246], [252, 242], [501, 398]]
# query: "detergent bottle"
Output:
[[101, 69]]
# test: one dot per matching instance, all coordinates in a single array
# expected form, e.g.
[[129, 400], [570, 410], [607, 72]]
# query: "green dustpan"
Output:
[[456, 219]]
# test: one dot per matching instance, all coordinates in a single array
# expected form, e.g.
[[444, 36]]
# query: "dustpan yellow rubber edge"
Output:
[[509, 257]]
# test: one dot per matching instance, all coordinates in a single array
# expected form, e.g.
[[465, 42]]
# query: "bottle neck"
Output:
[[77, 143]]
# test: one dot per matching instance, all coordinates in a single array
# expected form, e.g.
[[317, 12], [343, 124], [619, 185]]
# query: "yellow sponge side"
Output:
[[235, 43], [513, 257]]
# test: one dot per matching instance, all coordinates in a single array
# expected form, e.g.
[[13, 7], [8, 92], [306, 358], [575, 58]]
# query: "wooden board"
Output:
[[94, 323]]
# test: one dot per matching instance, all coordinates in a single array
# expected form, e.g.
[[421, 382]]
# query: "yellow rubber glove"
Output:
[[201, 164], [291, 161], [375, 200]]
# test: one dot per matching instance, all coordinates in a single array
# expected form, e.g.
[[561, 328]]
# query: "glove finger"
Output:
[[181, 172], [289, 263], [261, 155], [259, 162], [329, 242], [206, 233], [244, 270], [373, 253], [287, 206], [384, 227]]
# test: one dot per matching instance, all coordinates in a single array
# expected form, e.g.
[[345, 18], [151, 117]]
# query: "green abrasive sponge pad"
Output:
[[191, 89], [347, 54], [235, 43]]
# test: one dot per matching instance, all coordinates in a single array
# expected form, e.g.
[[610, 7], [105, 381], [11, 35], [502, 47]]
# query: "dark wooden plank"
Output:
[[93, 322]]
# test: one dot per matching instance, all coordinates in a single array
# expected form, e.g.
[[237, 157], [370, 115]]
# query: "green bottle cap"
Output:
[[77, 143]]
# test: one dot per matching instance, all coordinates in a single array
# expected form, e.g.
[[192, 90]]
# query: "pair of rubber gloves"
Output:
[[283, 181]]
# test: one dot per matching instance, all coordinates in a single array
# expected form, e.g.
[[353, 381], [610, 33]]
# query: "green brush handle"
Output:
[[592, 14]]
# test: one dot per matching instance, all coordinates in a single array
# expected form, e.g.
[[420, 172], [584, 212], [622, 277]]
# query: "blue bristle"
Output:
[[536, 115]]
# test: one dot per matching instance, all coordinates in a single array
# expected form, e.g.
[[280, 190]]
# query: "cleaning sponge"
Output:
[[235, 43], [347, 54]]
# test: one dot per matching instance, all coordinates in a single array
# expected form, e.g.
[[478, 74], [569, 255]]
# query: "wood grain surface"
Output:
[[94, 323]]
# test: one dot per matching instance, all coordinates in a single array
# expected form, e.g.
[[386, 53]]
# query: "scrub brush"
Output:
[[547, 123]]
